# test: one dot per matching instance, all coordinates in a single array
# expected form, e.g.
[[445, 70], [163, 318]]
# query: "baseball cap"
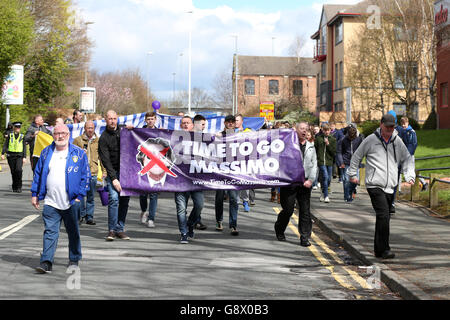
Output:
[[388, 120], [229, 118]]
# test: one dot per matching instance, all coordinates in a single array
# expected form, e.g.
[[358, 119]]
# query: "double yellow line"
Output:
[[329, 266]]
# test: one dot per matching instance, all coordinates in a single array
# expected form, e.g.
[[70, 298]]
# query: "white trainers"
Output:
[[327, 199], [315, 188], [144, 216], [321, 198], [150, 224]]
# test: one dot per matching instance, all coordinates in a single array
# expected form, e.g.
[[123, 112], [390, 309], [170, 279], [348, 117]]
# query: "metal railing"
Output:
[[433, 184]]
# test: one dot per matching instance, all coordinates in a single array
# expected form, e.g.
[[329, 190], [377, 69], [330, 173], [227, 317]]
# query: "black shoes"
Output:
[[234, 231], [280, 236], [388, 254], [73, 263], [392, 209], [304, 242], [90, 222], [200, 226], [44, 267]]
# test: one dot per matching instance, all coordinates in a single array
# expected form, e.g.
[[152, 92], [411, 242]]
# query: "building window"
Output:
[[318, 85], [324, 71], [323, 43], [444, 94], [338, 32], [336, 76], [298, 88], [341, 74], [338, 107], [250, 87], [273, 87], [405, 74]]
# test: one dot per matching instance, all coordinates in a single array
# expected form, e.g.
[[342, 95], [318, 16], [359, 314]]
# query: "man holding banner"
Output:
[[230, 127], [185, 161], [109, 153], [33, 130], [302, 193], [149, 218], [186, 225]]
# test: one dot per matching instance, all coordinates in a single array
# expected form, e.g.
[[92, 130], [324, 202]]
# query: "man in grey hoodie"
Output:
[[301, 193], [384, 151]]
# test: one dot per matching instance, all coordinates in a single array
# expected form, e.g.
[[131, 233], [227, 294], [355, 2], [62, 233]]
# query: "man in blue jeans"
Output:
[[326, 151], [346, 147], [230, 126], [109, 153], [89, 142], [149, 218], [185, 225], [60, 179]]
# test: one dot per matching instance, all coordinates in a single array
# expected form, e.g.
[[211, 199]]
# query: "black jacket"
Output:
[[346, 148], [109, 152]]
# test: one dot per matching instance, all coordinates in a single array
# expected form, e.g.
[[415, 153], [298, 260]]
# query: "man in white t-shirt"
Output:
[[61, 181]]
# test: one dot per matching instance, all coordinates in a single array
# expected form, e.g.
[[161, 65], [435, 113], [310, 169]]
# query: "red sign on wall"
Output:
[[441, 16]]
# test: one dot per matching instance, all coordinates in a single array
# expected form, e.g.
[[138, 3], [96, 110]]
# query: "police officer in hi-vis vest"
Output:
[[14, 147]]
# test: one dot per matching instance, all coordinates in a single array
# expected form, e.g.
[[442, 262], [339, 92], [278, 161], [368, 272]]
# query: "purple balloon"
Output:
[[156, 105]]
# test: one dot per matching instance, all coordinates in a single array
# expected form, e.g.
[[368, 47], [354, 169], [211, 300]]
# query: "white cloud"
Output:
[[125, 30]]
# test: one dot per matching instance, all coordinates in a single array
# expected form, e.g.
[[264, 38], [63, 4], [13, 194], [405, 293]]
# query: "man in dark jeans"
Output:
[[230, 126], [109, 153], [384, 151], [302, 193]]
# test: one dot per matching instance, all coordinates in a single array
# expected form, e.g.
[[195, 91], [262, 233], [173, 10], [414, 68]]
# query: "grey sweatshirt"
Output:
[[382, 161], [310, 162]]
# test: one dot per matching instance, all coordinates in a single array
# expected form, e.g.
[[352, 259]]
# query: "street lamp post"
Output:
[[174, 74], [235, 98], [273, 47], [86, 70], [149, 53], [190, 63]]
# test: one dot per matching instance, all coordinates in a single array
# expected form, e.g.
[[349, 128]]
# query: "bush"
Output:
[[369, 127], [431, 122]]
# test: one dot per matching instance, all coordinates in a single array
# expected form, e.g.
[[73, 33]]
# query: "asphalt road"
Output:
[[154, 265]]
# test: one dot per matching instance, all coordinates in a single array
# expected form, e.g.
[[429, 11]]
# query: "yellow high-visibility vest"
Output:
[[15, 145]]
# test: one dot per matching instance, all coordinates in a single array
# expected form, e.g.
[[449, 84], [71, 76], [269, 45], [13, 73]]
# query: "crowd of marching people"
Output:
[[327, 153]]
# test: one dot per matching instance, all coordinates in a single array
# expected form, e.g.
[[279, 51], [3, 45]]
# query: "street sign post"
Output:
[[267, 109], [12, 89], [87, 100]]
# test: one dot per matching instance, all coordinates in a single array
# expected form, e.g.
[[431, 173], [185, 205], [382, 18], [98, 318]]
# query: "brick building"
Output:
[[443, 62], [339, 27], [281, 80]]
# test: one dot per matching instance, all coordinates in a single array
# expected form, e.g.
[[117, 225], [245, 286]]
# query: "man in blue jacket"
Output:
[[61, 196]]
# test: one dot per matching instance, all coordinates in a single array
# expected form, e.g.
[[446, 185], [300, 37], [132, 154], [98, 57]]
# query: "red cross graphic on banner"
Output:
[[155, 160]]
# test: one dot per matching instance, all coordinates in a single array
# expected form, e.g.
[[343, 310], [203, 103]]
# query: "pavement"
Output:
[[420, 240]]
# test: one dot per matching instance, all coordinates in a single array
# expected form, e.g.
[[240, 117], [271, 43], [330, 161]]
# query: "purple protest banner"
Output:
[[153, 160]]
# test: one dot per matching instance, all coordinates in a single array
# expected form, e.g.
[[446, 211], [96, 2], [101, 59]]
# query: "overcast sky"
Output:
[[124, 31]]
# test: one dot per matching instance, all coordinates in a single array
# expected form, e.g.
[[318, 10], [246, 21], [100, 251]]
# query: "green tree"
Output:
[[16, 32]]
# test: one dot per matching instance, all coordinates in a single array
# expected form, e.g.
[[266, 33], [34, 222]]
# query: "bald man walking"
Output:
[[60, 179]]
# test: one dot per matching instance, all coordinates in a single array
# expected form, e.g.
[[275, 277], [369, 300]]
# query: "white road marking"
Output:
[[17, 226]]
